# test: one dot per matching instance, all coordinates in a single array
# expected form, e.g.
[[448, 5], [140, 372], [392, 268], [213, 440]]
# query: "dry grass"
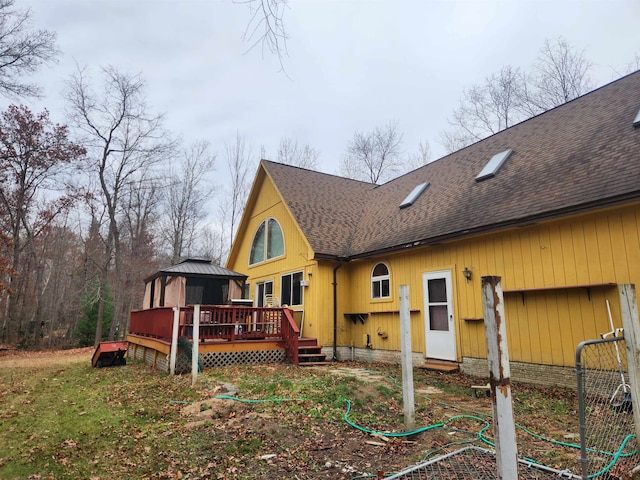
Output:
[[63, 419]]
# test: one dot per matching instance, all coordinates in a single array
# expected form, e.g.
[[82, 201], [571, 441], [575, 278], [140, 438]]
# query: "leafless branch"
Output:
[[266, 27], [374, 156], [22, 51], [291, 153]]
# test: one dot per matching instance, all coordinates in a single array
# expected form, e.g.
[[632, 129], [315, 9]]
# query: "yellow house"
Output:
[[551, 205]]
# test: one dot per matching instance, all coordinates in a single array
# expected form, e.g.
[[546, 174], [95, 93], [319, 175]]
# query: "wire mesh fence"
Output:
[[608, 447], [607, 441], [474, 463]]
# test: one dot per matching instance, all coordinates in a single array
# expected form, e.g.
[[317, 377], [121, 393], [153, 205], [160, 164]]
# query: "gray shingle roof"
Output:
[[198, 267], [581, 155]]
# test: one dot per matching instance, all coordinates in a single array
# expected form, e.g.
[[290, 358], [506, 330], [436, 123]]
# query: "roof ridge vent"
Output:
[[636, 121], [413, 196], [493, 165], [196, 260]]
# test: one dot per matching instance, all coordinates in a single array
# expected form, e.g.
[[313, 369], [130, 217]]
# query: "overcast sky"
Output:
[[351, 65]]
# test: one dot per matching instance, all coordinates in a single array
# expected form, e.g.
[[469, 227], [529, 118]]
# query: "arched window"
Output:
[[268, 242], [380, 281]]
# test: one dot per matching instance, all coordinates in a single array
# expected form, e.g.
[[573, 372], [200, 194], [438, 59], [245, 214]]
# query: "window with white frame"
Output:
[[291, 289], [268, 242], [380, 281]]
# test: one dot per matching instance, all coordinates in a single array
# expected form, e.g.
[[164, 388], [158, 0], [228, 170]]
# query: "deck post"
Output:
[[499, 378], [174, 340], [631, 325], [407, 364], [194, 347]]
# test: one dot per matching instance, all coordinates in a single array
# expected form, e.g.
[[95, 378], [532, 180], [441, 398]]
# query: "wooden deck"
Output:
[[225, 334]]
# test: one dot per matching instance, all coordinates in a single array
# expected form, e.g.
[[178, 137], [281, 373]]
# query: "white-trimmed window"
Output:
[[380, 281], [291, 289], [268, 242]]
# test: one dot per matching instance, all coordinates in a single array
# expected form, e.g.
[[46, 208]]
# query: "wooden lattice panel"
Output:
[[207, 360], [224, 359]]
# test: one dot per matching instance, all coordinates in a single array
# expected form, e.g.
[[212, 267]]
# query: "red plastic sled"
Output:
[[110, 354]]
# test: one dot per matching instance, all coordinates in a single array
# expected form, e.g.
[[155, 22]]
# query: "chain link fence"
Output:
[[474, 463], [608, 447]]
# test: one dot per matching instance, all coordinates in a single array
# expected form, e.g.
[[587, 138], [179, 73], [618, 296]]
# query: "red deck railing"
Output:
[[221, 323], [154, 322]]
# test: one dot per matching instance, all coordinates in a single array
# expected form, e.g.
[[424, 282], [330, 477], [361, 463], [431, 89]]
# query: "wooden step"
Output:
[[440, 365], [311, 357], [316, 349], [310, 353]]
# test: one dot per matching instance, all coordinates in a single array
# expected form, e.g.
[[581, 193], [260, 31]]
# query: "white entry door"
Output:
[[440, 336]]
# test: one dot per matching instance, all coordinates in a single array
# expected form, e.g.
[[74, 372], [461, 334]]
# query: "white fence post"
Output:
[[194, 348], [174, 340], [499, 378], [631, 325], [407, 364]]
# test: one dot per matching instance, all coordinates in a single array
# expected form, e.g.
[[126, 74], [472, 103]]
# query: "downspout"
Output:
[[335, 312]]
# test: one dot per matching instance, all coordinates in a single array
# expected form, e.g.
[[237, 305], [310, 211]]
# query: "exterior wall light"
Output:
[[466, 273]]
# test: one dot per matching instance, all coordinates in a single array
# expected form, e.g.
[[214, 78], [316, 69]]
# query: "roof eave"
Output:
[[331, 257]]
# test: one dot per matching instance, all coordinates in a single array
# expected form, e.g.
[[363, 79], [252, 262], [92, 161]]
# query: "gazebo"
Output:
[[190, 282]]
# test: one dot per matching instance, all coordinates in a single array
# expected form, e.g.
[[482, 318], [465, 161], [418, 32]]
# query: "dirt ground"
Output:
[[305, 453]]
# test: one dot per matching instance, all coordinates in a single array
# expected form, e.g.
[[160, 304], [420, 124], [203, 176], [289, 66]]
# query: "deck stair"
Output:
[[440, 365], [310, 353]]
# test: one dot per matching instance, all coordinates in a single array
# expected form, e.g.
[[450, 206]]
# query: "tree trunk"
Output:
[[102, 288]]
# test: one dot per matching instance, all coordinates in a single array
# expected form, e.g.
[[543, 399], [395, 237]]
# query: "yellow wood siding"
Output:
[[543, 327]]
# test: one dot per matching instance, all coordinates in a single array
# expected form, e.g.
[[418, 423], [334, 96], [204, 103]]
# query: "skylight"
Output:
[[492, 167], [413, 196], [636, 121]]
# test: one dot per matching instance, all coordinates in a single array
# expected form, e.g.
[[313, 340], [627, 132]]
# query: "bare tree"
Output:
[[141, 198], [94, 258], [421, 157], [125, 144], [238, 159], [6, 270], [455, 139], [560, 74], [290, 153], [22, 51], [374, 156], [266, 26], [488, 108], [212, 245], [60, 285], [634, 64], [185, 197]]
